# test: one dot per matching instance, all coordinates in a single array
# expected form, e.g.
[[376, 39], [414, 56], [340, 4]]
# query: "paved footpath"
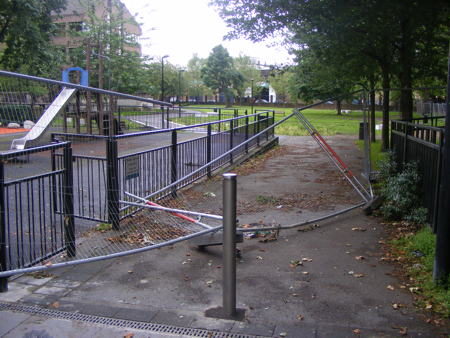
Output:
[[310, 283]]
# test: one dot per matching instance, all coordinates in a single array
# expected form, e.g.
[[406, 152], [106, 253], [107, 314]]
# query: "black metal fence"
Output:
[[416, 141], [31, 195], [144, 163]]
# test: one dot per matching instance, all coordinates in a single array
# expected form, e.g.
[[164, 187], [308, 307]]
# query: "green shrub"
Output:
[[401, 192]]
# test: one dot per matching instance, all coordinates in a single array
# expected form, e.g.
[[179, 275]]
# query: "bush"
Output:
[[401, 192]]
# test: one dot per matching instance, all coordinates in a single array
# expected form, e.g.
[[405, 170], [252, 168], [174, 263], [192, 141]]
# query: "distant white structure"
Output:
[[268, 93]]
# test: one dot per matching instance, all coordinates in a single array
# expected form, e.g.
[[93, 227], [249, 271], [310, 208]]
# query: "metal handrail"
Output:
[[76, 86]]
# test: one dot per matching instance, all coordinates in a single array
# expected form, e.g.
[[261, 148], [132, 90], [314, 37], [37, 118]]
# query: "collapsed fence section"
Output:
[[416, 142]]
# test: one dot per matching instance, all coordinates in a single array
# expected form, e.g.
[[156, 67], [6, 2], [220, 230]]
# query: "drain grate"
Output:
[[129, 324]]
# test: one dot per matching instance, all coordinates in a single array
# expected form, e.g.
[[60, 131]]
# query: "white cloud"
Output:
[[182, 28]]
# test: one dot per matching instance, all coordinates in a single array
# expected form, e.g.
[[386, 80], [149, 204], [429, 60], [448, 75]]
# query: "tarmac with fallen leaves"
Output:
[[329, 279]]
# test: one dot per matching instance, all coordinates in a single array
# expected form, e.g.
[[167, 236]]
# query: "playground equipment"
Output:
[[41, 126], [56, 105]]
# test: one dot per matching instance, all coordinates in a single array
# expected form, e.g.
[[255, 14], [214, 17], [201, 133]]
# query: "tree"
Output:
[[315, 79], [113, 62], [196, 87], [282, 81], [26, 29], [246, 66], [220, 74], [396, 36]]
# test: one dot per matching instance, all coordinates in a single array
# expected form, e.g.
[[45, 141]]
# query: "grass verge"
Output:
[[414, 249]]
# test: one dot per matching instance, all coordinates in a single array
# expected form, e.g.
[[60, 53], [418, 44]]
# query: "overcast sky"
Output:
[[182, 28]]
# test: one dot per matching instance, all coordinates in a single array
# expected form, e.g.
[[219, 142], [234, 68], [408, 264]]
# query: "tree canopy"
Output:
[[402, 40], [25, 30], [219, 73]]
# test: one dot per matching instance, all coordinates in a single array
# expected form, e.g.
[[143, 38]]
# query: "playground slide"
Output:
[[33, 136]]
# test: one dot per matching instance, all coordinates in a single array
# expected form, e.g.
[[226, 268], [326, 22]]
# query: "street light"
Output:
[[251, 99], [179, 84], [162, 76]]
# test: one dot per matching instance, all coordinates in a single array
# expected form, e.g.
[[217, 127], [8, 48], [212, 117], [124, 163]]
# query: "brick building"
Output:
[[76, 16]]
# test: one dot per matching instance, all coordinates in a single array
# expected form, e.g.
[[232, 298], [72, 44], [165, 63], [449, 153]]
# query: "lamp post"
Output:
[[251, 99], [179, 84], [162, 76]]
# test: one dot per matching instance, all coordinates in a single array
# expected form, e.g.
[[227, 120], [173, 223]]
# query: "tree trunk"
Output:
[[372, 109], [385, 129], [101, 72], [407, 47], [339, 107]]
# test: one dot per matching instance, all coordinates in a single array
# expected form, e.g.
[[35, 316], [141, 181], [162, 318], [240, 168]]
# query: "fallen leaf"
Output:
[[259, 257], [403, 330], [186, 278], [398, 305], [283, 334], [351, 272], [130, 271], [128, 335], [305, 272], [55, 305], [359, 275], [306, 259], [414, 289], [390, 287], [359, 229], [429, 306], [49, 263], [359, 258], [300, 317], [295, 263], [209, 283], [357, 331]]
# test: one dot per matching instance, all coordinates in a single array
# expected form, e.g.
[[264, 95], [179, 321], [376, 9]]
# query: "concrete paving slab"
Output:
[[41, 300], [16, 291], [63, 283], [212, 324], [9, 320], [139, 315], [173, 318], [254, 328], [52, 291], [29, 279], [48, 328]]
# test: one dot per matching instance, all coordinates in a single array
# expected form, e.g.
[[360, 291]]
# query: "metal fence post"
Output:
[[229, 245], [3, 244], [112, 182], [209, 150], [162, 117], [220, 117], [231, 139], [173, 162], [258, 128], [246, 134], [167, 121], [405, 143], [69, 220]]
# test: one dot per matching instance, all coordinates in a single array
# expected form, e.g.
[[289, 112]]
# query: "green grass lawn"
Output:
[[327, 122]]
